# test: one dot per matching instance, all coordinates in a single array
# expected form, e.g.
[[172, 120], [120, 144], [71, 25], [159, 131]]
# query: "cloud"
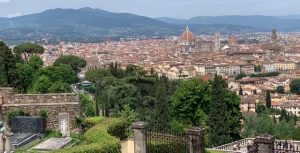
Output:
[[14, 15], [4, 1]]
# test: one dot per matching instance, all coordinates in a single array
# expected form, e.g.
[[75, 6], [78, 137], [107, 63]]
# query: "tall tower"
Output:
[[274, 37], [217, 41]]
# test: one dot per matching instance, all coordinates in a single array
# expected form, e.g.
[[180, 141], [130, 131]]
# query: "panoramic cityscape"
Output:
[[160, 76]]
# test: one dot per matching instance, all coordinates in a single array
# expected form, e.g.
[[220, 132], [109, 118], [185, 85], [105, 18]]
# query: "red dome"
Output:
[[187, 35]]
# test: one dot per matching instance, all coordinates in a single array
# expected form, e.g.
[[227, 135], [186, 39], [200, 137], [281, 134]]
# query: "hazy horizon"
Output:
[[158, 8]]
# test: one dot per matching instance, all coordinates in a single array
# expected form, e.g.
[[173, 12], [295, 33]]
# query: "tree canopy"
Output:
[[74, 61], [190, 102], [28, 49]]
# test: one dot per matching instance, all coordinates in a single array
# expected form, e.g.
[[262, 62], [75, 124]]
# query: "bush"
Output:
[[91, 121], [118, 130], [97, 139], [43, 113], [53, 134]]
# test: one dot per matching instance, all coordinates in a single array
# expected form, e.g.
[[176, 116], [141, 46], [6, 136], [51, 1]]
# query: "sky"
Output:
[[183, 9]]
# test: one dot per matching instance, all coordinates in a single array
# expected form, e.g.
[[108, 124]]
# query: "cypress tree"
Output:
[[218, 130], [241, 91], [268, 100], [7, 65]]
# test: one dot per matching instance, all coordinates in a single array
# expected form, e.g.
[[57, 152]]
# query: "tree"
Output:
[[162, 110], [295, 86], [254, 92], [95, 75], [62, 73], [41, 85], [240, 76], [7, 65], [241, 91], [87, 105], [24, 77], [257, 68], [74, 61], [280, 89], [218, 127], [28, 49], [35, 62], [190, 102], [59, 87], [260, 108], [234, 115], [268, 99]]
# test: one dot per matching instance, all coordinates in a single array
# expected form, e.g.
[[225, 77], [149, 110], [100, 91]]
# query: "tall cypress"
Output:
[[7, 65], [268, 100], [218, 130]]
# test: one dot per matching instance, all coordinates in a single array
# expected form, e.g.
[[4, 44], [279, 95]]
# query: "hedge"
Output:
[[97, 139]]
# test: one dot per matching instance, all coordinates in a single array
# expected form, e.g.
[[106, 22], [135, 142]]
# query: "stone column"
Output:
[[196, 139], [265, 143], [1, 143], [8, 139], [140, 129]]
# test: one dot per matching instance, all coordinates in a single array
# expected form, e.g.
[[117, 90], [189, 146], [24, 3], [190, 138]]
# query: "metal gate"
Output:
[[166, 142]]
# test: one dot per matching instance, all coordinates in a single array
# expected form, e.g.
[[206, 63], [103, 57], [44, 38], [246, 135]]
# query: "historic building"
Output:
[[188, 43]]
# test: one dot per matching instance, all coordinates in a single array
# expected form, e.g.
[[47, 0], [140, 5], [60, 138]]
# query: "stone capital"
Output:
[[140, 125]]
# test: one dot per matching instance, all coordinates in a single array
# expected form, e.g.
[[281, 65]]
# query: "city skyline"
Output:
[[163, 8]]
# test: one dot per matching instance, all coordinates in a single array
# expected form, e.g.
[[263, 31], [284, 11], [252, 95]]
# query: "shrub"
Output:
[[118, 130], [43, 113], [91, 121], [97, 139]]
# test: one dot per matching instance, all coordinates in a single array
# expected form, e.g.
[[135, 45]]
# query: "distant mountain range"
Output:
[[282, 23], [88, 23]]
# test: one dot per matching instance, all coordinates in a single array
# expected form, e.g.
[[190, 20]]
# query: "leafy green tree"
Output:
[[59, 87], [24, 77], [74, 61], [268, 99], [95, 75], [133, 70], [280, 89], [190, 102], [87, 105], [35, 62], [28, 49], [62, 73], [260, 108], [295, 86], [218, 127], [7, 65], [240, 76], [41, 85]]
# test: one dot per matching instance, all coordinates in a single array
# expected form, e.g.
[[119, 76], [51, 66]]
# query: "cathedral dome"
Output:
[[187, 35]]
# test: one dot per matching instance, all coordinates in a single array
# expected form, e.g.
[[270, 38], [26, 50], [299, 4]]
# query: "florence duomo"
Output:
[[188, 42]]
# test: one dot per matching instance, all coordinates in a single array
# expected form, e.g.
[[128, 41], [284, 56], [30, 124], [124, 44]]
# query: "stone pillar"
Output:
[[8, 139], [196, 139], [1, 143], [140, 129], [265, 143]]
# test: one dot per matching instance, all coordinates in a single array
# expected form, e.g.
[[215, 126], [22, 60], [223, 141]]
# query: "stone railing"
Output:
[[231, 146]]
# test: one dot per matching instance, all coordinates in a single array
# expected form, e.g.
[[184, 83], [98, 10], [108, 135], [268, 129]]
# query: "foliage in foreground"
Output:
[[97, 139]]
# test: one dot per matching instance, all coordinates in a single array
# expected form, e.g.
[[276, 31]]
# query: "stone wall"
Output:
[[33, 103]]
